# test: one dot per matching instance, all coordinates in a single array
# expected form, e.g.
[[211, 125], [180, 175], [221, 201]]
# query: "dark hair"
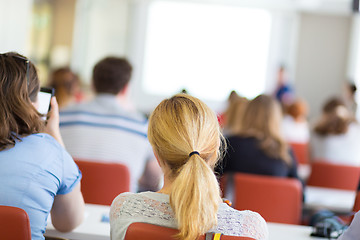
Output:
[[352, 88], [335, 118], [18, 116], [111, 75]]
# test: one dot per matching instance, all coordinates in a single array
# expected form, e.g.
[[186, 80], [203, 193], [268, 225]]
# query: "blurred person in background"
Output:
[[234, 115], [284, 92], [335, 137], [260, 147], [108, 129], [67, 86], [295, 125]]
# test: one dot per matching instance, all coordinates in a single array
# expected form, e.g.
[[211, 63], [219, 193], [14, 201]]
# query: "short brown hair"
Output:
[[18, 89], [111, 75]]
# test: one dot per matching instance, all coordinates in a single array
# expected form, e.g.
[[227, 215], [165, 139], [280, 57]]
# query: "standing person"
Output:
[[284, 92], [186, 139], [105, 129], [36, 173], [260, 147]]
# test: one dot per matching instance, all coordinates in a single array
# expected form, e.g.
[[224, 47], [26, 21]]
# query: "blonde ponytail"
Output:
[[195, 198], [179, 126]]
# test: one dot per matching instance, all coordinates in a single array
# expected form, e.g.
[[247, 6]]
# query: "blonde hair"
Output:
[[234, 115], [262, 120], [177, 127]]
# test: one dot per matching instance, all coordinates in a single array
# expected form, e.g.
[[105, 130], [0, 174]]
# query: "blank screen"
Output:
[[207, 49]]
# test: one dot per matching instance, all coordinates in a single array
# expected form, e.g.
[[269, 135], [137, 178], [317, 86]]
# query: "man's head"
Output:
[[111, 75]]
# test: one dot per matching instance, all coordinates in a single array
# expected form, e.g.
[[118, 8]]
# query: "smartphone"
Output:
[[44, 98]]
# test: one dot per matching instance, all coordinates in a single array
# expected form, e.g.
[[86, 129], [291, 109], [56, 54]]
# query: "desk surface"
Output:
[[340, 201], [94, 229]]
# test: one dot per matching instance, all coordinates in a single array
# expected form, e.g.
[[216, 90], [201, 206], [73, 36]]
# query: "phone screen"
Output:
[[44, 98]]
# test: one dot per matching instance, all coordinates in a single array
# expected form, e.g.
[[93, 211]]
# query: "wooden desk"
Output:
[[94, 229], [336, 200]]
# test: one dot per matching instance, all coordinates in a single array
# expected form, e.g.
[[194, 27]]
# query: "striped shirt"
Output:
[[101, 130]]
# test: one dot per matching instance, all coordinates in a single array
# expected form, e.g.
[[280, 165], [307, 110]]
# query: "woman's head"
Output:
[[183, 124], [298, 110], [66, 84], [234, 115], [262, 120], [19, 86], [177, 127], [262, 117], [335, 118]]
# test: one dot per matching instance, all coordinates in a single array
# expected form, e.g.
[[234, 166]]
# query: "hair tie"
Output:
[[194, 152]]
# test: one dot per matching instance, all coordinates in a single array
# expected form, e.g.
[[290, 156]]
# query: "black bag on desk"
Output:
[[326, 224]]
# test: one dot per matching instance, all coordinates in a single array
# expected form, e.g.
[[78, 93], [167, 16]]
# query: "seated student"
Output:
[[234, 115], [36, 173], [259, 147], [107, 128], [186, 140], [295, 126], [67, 86], [335, 138]]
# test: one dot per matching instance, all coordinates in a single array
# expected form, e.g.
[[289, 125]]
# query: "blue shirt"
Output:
[[32, 173]]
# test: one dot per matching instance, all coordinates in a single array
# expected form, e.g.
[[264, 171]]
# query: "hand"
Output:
[[52, 126]]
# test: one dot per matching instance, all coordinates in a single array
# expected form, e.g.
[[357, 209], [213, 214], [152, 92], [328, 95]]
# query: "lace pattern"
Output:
[[154, 208]]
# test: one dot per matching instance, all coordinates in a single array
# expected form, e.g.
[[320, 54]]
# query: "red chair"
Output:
[[276, 199], [301, 152], [14, 224], [356, 207], [334, 176], [102, 182], [148, 231]]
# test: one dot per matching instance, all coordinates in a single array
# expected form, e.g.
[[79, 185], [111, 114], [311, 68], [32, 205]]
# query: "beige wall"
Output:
[[321, 58], [63, 22]]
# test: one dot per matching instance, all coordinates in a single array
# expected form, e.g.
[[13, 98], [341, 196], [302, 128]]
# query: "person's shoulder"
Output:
[[43, 139], [231, 212], [241, 220]]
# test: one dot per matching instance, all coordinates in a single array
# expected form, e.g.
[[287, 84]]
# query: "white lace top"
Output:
[[154, 208]]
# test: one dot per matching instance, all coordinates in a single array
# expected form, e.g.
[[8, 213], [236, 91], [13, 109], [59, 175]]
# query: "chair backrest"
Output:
[[334, 176], [148, 231], [102, 182], [356, 207], [301, 152], [14, 223], [276, 199]]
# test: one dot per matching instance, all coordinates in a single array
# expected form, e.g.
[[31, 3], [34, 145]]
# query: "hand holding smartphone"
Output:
[[44, 98]]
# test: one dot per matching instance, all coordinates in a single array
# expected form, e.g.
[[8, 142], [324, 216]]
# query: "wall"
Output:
[[63, 27], [321, 58], [15, 25]]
